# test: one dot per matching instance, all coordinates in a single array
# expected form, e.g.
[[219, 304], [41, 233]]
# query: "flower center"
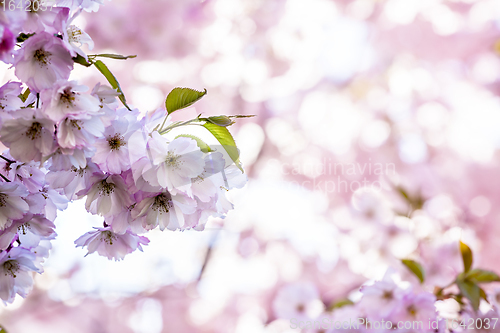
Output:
[[162, 203], [76, 123], [172, 160], [42, 57], [108, 237], [67, 97], [24, 228], [79, 171], [11, 267], [106, 188], [300, 308], [115, 142], [387, 295], [34, 131], [412, 310], [74, 33]]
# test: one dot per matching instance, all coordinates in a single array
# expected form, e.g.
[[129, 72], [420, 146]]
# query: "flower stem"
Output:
[[5, 178], [6, 159]]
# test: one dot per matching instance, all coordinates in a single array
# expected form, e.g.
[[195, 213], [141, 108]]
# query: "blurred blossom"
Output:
[[376, 139]]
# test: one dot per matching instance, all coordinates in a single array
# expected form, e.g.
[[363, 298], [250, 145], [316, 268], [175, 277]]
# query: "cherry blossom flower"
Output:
[[29, 230], [382, 298], [75, 132], [7, 43], [73, 180], [112, 150], [66, 99], [73, 37], [12, 204], [107, 196], [16, 267], [42, 61], [298, 300], [30, 136], [39, 20], [164, 210], [416, 307], [174, 163], [9, 100], [110, 244]]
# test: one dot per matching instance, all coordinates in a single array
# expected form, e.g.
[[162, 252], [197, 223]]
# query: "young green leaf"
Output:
[[180, 98], [226, 140], [481, 276], [2, 330], [415, 268], [113, 56], [81, 60], [483, 295], [223, 121], [112, 80], [466, 256], [471, 291], [340, 303], [24, 95], [201, 144]]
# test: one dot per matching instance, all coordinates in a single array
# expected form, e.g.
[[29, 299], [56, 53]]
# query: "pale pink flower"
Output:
[[382, 298], [174, 163], [108, 101], [29, 230], [12, 204], [42, 61], [416, 307], [9, 100], [298, 300], [40, 20], [29, 136], [73, 180], [107, 196], [110, 244], [7, 43], [164, 210], [112, 150], [73, 37], [16, 267], [79, 133], [65, 98], [67, 158], [206, 185]]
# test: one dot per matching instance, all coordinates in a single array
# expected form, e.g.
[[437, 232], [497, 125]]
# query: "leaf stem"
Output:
[[6, 159]]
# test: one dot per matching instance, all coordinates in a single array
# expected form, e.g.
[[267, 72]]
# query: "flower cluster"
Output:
[[67, 142], [438, 295]]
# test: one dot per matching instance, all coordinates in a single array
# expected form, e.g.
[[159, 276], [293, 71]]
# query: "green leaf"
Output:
[[340, 303], [113, 56], [471, 291], [25, 95], [112, 80], [483, 294], [201, 144], [180, 98], [466, 256], [226, 140], [223, 121], [81, 60], [2, 330], [21, 38], [415, 268], [481, 276]]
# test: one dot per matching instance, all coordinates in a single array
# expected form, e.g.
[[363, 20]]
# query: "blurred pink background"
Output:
[[398, 96]]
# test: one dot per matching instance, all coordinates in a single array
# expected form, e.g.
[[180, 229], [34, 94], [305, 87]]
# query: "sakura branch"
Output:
[[68, 142]]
